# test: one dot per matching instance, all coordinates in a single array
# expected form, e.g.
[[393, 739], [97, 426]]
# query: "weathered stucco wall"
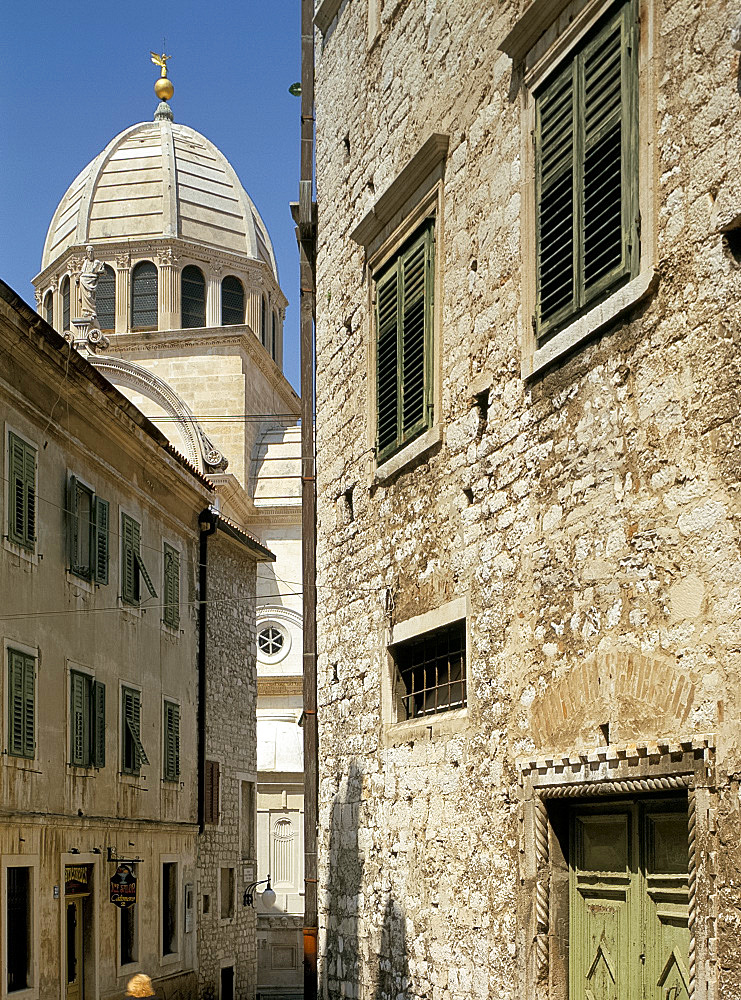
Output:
[[591, 516]]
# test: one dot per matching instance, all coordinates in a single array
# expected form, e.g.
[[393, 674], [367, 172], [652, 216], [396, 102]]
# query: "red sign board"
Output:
[[123, 887]]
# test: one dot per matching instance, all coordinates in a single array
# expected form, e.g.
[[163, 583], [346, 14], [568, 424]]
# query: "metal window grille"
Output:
[[193, 294], [232, 301], [105, 299], [65, 305], [144, 296], [432, 671]]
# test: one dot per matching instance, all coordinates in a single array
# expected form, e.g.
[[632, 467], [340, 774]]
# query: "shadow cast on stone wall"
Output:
[[364, 958]]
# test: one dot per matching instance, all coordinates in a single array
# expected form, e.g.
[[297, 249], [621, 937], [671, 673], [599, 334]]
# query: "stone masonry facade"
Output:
[[587, 516], [227, 930]]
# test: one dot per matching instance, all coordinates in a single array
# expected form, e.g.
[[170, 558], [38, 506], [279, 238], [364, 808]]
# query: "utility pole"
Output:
[[305, 216]]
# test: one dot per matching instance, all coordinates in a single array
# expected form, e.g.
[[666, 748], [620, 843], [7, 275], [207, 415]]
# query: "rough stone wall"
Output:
[[592, 518], [231, 740]]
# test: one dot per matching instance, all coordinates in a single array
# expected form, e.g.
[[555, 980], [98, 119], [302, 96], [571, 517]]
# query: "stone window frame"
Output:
[[662, 766], [30, 556], [538, 43], [395, 731], [415, 195]]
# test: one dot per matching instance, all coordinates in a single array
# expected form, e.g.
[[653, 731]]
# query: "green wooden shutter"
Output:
[[22, 507], [555, 179], [143, 573], [73, 526], [171, 588], [387, 376], [132, 721], [586, 175], [97, 738], [102, 540], [416, 319], [130, 535], [79, 719], [172, 741], [606, 73], [15, 702]]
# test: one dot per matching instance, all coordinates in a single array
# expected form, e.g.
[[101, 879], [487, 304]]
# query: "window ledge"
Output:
[[27, 555], [408, 454], [83, 584], [426, 727], [619, 302]]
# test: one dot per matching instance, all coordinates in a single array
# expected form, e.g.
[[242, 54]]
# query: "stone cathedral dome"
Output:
[[159, 180]]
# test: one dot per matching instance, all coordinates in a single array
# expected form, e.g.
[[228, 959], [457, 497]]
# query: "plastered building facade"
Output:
[[189, 327], [528, 545], [100, 583]]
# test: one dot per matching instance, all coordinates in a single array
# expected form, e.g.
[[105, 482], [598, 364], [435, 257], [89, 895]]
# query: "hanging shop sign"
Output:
[[123, 887], [76, 879]]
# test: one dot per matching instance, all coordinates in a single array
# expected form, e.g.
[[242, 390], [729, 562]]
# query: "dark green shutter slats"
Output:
[[193, 297], [143, 573], [22, 509], [555, 183], [72, 522], [79, 719], [102, 540], [413, 339], [97, 736], [171, 613], [132, 720], [21, 704], [172, 741], [586, 174], [404, 344], [387, 363], [130, 546], [603, 144]]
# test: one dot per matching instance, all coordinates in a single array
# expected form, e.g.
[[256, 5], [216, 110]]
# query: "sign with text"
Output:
[[123, 887]]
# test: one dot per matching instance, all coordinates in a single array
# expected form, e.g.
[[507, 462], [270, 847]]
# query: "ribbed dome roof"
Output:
[[159, 179]]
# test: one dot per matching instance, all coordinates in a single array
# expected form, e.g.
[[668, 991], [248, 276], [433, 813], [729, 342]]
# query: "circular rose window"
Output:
[[273, 642]]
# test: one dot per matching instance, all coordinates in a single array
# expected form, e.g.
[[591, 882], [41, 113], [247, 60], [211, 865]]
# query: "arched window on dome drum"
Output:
[[144, 296], [49, 308], [232, 301], [193, 297], [264, 321], [105, 299], [65, 305], [274, 339]]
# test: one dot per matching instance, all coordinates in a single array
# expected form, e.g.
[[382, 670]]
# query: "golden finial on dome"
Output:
[[163, 88]]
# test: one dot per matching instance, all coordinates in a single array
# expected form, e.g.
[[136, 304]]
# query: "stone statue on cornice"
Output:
[[88, 282]]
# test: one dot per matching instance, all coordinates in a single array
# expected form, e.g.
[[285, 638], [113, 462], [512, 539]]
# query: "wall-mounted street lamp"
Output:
[[267, 895]]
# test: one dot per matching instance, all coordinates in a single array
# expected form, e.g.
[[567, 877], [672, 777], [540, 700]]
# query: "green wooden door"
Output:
[[628, 933]]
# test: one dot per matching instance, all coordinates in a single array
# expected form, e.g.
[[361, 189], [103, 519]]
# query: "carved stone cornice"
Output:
[[123, 260]]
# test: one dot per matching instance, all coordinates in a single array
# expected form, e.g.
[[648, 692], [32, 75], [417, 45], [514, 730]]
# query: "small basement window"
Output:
[[431, 671]]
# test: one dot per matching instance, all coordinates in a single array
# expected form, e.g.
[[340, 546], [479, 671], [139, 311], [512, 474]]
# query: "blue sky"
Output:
[[73, 76]]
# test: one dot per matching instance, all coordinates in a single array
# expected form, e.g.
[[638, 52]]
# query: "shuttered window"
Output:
[[21, 704], [586, 127], [171, 768], [105, 299], [133, 754], [171, 588], [144, 296], [65, 305], [22, 498], [193, 297], [212, 792], [87, 532], [87, 721], [404, 291], [133, 570], [232, 301]]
